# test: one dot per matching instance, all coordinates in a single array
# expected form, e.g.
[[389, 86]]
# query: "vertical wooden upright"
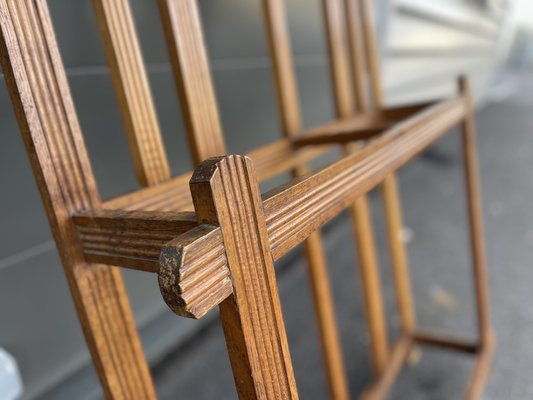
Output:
[[225, 192], [289, 109], [360, 211], [190, 65], [45, 112], [364, 49], [477, 243], [129, 78]]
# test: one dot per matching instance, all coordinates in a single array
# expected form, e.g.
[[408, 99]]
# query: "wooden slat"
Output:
[[400, 270], [283, 66], [343, 135], [324, 194], [174, 195], [384, 382], [338, 49], [372, 52], [445, 341], [225, 192], [288, 206], [185, 42], [391, 192], [477, 243], [45, 112], [357, 54], [133, 238], [131, 85], [289, 109], [341, 77]]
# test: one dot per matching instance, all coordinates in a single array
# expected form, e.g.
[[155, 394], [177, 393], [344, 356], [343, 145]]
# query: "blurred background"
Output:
[[424, 46]]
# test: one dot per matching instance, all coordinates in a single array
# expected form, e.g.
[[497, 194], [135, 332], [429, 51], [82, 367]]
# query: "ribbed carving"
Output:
[[338, 55], [46, 110], [193, 274], [131, 238], [295, 211], [132, 88], [225, 191], [190, 64], [324, 194], [39, 91]]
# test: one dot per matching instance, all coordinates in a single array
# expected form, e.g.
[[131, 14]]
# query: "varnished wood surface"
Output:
[[226, 193], [477, 245], [45, 112], [289, 207], [120, 41], [342, 83], [289, 110], [400, 270], [222, 252], [183, 32], [293, 212]]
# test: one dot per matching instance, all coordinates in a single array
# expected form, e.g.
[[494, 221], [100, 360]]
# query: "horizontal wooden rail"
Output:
[[269, 160], [292, 213], [174, 195], [131, 239]]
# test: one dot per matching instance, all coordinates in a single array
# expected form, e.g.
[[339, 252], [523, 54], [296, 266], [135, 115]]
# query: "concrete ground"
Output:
[[435, 220]]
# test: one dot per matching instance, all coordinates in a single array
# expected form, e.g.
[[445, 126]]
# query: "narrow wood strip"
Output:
[[400, 267], [294, 212], [370, 278], [130, 80], [282, 62], [338, 49], [357, 54], [446, 341], [289, 109], [190, 66], [323, 195], [383, 383], [372, 51], [45, 112], [343, 136], [475, 214], [269, 160], [481, 371], [341, 76], [225, 192]]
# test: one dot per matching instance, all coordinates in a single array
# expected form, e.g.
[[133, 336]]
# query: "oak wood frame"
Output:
[[141, 235]]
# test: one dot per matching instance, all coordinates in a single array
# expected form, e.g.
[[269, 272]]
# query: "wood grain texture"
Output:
[[134, 239], [372, 51], [225, 192], [295, 211], [43, 105], [357, 54], [192, 291], [371, 283], [185, 42], [338, 49], [283, 66], [477, 245], [131, 86], [288, 206], [362, 34], [289, 110], [400, 270], [341, 77]]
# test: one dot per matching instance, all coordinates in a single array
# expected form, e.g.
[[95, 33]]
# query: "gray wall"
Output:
[[37, 319]]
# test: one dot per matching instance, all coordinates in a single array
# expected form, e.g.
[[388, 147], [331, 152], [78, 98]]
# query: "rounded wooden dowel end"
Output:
[[193, 274]]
